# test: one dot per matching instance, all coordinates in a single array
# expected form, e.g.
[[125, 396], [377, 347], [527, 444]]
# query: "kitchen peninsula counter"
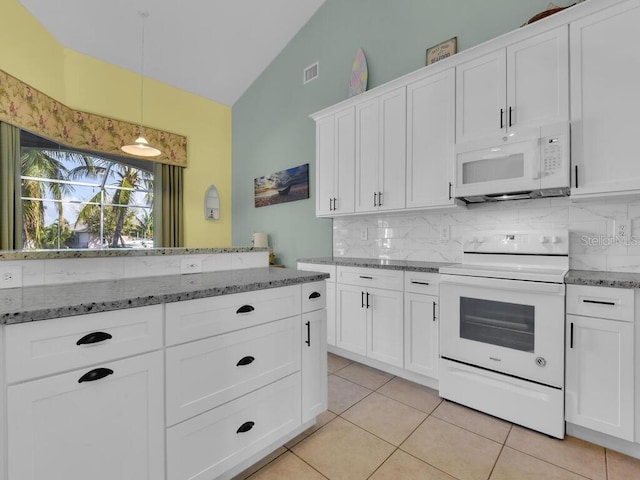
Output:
[[18, 305]]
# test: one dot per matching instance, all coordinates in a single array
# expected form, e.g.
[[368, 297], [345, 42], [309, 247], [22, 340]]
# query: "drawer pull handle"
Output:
[[95, 337], [95, 374], [245, 361], [245, 309], [366, 277], [600, 302], [245, 427], [415, 282], [308, 340], [314, 295]]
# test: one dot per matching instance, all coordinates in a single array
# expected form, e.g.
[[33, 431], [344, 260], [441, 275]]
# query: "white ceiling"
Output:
[[212, 48]]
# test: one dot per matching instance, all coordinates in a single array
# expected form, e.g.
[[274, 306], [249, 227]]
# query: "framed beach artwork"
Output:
[[283, 186]]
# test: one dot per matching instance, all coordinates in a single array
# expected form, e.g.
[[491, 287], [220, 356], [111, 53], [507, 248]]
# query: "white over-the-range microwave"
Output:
[[527, 163]]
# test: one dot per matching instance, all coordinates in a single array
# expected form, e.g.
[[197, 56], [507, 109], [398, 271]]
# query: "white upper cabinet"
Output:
[[605, 74], [430, 139], [335, 156], [523, 85], [381, 152]]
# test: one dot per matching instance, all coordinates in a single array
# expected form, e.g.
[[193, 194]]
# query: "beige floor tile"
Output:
[[335, 363], [343, 394], [459, 452], [416, 396], [287, 467], [402, 466], [368, 377], [384, 417], [477, 422], [622, 467], [571, 453], [258, 465], [321, 420], [517, 465], [343, 451]]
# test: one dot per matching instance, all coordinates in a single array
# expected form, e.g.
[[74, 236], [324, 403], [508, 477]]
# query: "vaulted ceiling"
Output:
[[212, 48]]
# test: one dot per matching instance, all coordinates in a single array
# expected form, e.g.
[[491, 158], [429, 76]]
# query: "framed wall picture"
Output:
[[283, 186], [442, 50]]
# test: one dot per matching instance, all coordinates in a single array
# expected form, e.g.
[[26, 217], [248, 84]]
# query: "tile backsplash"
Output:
[[437, 236]]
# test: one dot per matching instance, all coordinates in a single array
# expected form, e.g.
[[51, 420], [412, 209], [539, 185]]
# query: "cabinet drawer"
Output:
[[371, 277], [314, 296], [206, 446], [205, 317], [204, 374], [601, 302], [422, 282], [319, 267], [37, 349]]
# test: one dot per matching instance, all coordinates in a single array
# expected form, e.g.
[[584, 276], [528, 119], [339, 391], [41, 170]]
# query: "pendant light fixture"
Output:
[[141, 147]]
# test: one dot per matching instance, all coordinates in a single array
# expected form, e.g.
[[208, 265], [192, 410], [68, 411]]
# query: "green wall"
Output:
[[271, 127]]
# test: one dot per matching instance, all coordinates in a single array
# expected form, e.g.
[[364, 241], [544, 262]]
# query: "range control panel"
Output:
[[526, 242]]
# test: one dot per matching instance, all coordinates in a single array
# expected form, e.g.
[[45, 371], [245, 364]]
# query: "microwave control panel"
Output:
[[554, 156], [551, 154]]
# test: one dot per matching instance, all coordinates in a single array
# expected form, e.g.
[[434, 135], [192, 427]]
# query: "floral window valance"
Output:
[[29, 109]]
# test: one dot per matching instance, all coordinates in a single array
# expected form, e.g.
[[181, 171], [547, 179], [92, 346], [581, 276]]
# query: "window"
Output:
[[76, 199]]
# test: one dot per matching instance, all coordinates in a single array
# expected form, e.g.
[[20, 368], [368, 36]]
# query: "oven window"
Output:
[[509, 325]]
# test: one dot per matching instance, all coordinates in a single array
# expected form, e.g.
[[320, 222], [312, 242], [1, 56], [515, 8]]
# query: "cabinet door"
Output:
[[109, 428], [385, 326], [604, 105], [600, 375], [481, 97], [421, 334], [393, 148], [314, 364], [325, 165], [367, 155], [430, 139], [352, 319], [538, 80], [344, 181], [331, 313]]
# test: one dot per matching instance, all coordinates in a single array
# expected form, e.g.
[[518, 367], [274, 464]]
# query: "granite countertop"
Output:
[[118, 252], [19, 305], [603, 279], [408, 265]]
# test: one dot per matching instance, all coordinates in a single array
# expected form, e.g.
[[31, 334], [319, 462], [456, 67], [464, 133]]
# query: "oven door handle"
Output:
[[503, 284]]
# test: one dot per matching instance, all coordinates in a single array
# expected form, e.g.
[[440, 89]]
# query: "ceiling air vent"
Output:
[[310, 73]]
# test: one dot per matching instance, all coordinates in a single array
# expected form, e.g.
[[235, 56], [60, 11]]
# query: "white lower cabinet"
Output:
[[370, 320], [600, 376], [102, 422], [599, 391], [208, 445], [314, 365], [421, 334]]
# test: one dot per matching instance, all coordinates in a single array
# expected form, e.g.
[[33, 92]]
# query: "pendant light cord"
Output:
[[144, 16]]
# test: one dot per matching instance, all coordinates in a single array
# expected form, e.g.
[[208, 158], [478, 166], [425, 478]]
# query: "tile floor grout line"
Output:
[[471, 431], [496, 461], [548, 462], [307, 463], [383, 462]]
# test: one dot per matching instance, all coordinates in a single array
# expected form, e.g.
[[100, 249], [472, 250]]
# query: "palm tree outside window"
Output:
[[75, 199]]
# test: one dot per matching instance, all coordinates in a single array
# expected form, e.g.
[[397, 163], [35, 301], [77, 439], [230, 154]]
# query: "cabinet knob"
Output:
[[245, 427], [94, 337], [314, 295], [95, 374]]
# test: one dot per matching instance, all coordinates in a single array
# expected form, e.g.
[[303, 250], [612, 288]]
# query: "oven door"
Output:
[[509, 326]]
